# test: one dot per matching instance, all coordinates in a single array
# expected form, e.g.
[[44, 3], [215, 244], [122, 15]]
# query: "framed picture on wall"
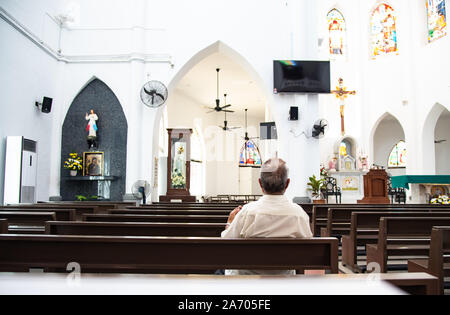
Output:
[[93, 163]]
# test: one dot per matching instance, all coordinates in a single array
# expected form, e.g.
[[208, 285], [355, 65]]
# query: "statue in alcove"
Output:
[[92, 129]]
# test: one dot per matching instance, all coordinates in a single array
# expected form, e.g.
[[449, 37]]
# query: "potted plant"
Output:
[[74, 163], [315, 186]]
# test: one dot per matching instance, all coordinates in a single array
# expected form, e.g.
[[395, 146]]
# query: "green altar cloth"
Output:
[[404, 181]]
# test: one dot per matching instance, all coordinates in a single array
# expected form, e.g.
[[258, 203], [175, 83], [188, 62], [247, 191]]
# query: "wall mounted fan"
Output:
[[154, 94], [319, 129]]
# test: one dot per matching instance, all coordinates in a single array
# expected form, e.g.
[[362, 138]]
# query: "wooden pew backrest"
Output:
[[146, 254], [135, 229]]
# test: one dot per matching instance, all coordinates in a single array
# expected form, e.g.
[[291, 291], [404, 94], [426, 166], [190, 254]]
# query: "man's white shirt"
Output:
[[270, 216]]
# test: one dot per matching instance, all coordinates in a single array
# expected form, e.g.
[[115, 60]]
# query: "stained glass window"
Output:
[[336, 29], [397, 158], [437, 20], [383, 28], [250, 155]]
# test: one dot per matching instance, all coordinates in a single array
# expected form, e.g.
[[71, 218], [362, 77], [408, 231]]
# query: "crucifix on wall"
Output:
[[342, 93]]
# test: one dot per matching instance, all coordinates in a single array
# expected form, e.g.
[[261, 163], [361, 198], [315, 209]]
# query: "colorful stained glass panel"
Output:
[[383, 28], [250, 155], [397, 158], [437, 19], [336, 29]]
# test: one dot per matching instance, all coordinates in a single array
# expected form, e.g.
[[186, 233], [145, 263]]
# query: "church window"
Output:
[[397, 158], [250, 155], [337, 30], [437, 20], [383, 28]]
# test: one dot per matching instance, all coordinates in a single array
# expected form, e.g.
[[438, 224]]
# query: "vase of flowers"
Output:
[[178, 180], [441, 200], [74, 163]]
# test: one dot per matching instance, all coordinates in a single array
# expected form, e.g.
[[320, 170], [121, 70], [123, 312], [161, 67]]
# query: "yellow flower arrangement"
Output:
[[74, 162]]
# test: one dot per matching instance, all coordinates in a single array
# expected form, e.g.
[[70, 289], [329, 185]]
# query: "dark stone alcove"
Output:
[[112, 140]]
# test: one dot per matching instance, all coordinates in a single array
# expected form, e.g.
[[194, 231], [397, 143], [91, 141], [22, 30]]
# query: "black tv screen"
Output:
[[293, 76]]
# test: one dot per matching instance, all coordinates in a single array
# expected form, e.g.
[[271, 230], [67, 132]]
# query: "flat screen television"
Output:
[[295, 76]]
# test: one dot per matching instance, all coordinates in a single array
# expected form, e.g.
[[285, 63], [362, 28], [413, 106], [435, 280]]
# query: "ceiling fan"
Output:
[[218, 108], [247, 138], [225, 123]]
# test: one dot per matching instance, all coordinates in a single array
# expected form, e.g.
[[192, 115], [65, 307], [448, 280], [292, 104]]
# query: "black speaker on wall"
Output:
[[47, 105], [293, 114]]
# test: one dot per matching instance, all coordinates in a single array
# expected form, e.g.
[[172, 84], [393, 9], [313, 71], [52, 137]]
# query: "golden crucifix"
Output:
[[342, 93]]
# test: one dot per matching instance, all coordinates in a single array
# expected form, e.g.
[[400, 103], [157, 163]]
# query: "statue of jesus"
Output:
[[92, 128]]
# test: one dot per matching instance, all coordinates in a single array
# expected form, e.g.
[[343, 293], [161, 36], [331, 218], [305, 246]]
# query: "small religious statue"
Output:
[[92, 129], [342, 93], [363, 163], [332, 164]]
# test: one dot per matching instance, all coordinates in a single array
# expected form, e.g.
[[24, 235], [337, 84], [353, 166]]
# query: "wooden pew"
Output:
[[27, 222], [170, 212], [3, 226], [134, 229], [79, 209], [102, 254], [364, 230], [155, 218], [400, 237], [438, 263], [61, 214], [320, 212]]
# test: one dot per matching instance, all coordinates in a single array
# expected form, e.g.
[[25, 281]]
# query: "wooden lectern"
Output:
[[375, 187]]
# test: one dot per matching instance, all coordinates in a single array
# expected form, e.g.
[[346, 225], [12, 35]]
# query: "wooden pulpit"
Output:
[[375, 187]]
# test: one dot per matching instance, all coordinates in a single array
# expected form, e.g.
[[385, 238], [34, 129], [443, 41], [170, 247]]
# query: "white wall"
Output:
[[28, 74], [407, 85], [442, 132]]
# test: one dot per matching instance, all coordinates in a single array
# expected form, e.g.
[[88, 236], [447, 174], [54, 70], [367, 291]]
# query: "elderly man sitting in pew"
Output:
[[274, 215]]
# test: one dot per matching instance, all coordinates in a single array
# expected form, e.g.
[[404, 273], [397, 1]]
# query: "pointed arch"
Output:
[[428, 146], [383, 30], [380, 155], [111, 138]]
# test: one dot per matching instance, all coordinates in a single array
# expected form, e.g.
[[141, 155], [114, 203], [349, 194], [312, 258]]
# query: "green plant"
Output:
[[74, 162], [81, 198], [315, 185]]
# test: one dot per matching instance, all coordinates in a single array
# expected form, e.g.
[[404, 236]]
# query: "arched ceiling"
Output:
[[200, 85]]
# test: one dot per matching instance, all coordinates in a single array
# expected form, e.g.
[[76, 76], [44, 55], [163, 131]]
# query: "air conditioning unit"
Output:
[[20, 171]]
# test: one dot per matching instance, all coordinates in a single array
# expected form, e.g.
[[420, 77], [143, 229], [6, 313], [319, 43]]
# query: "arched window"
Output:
[[397, 158], [437, 20], [383, 29], [337, 33], [250, 155]]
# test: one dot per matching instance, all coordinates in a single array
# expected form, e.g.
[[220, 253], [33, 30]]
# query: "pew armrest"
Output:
[[348, 253], [324, 232], [418, 265]]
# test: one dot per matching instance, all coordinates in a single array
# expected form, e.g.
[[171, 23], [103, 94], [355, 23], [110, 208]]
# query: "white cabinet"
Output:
[[20, 171]]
